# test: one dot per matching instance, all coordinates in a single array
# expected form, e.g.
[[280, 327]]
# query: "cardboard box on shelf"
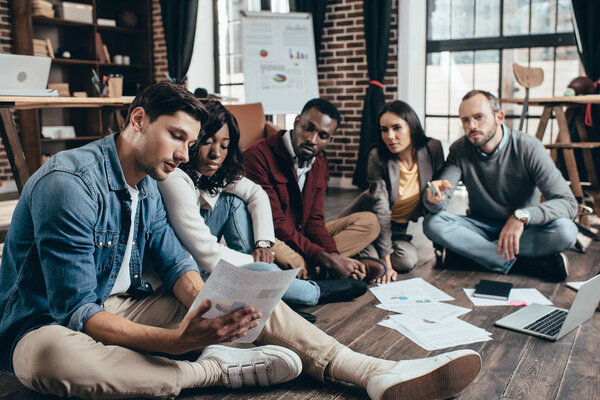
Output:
[[75, 12], [42, 8], [61, 88], [58, 132]]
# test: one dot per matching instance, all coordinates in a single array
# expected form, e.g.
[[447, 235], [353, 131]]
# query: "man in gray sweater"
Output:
[[504, 171]]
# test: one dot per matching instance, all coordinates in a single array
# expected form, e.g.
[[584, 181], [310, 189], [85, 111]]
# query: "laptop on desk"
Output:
[[24, 75], [552, 323]]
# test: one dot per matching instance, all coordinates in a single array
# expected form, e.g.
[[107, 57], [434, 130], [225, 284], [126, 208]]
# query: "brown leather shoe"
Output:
[[375, 268]]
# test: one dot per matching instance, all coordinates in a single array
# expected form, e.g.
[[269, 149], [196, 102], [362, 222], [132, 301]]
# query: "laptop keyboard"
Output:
[[549, 324]]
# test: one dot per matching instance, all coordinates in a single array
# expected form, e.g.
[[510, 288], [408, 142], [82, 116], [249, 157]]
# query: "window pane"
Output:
[[531, 124], [462, 18], [487, 70], [568, 67], [222, 11], [564, 23], [437, 89], [456, 130], [223, 38], [543, 16], [542, 57], [437, 128], [237, 72], [461, 73], [487, 18], [280, 6], [235, 7], [235, 41], [438, 19], [516, 17], [510, 87], [224, 70], [235, 91]]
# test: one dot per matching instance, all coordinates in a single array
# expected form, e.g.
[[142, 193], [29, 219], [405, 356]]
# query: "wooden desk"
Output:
[[564, 109], [8, 130]]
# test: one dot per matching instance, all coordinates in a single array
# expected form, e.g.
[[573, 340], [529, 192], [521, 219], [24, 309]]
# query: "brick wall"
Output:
[[159, 45], [343, 79]]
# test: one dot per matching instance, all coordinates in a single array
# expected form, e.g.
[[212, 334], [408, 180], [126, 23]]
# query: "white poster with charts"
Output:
[[278, 55]]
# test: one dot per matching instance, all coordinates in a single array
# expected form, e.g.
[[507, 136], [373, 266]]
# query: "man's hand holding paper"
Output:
[[232, 297], [196, 331]]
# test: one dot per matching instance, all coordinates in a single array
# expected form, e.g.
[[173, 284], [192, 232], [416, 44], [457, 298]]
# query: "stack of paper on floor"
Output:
[[424, 318]]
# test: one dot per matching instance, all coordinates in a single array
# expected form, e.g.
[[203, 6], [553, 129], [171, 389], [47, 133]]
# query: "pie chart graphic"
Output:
[[263, 53], [279, 78]]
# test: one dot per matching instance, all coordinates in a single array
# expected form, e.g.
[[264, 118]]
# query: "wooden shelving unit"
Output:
[[79, 39]]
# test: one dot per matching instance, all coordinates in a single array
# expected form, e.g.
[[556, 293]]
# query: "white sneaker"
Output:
[[439, 377], [257, 366]]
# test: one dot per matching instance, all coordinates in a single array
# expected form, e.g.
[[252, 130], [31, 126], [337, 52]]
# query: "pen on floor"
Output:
[[434, 193]]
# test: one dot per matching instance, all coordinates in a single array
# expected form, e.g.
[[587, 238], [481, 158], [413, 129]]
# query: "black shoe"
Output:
[[340, 290], [452, 260], [307, 316], [553, 268]]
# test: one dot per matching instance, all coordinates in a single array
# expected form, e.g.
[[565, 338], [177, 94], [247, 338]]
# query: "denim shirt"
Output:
[[67, 239]]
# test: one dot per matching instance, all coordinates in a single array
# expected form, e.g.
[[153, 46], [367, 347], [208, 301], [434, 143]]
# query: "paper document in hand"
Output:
[[409, 290], [518, 297], [433, 311], [229, 288]]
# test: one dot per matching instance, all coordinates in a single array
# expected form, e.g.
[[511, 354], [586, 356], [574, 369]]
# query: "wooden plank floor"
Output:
[[515, 366]]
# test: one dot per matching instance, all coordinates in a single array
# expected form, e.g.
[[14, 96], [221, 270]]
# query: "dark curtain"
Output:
[[317, 9], [586, 15], [179, 24], [377, 33]]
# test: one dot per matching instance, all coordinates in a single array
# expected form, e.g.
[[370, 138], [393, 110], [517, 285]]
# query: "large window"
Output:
[[229, 74], [473, 44]]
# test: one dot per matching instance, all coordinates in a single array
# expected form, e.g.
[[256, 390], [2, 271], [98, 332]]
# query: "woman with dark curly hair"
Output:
[[208, 199]]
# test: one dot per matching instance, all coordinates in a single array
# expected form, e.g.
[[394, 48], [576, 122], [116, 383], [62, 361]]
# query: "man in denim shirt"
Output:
[[78, 319]]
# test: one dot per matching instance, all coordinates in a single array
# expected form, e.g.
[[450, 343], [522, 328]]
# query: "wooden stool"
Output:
[[528, 78]]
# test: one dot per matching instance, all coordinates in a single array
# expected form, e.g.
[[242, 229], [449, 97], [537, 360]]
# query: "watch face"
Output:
[[521, 215], [263, 244]]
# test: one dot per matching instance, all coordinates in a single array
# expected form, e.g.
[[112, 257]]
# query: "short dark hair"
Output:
[[231, 170], [494, 102], [406, 112], [325, 107], [166, 98]]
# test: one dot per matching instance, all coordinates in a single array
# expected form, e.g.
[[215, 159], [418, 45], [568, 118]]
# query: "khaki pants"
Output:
[[351, 235], [59, 361]]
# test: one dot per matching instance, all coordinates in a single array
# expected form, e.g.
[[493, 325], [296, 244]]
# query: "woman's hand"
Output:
[[391, 275], [263, 254]]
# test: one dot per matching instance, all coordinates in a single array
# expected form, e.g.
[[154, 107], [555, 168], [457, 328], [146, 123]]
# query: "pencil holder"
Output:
[[115, 86]]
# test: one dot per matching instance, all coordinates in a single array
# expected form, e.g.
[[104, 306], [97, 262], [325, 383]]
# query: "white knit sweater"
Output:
[[183, 202]]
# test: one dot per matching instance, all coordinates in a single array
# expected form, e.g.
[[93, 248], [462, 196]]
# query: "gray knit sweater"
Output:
[[508, 179]]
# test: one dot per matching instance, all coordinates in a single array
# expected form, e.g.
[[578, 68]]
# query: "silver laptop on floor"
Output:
[[24, 75], [552, 323]]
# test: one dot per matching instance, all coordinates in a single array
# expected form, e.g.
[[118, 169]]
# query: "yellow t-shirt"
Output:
[[408, 195]]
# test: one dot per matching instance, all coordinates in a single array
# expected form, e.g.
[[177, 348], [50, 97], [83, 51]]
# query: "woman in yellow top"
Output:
[[399, 167]]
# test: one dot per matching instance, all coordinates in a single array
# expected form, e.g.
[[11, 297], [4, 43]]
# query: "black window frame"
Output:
[[500, 42]]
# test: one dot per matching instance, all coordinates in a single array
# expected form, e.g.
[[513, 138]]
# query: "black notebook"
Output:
[[493, 289]]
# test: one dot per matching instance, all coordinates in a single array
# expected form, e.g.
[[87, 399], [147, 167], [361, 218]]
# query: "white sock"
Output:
[[201, 373], [352, 367]]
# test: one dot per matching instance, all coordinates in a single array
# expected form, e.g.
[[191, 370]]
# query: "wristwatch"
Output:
[[521, 215], [263, 244]]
